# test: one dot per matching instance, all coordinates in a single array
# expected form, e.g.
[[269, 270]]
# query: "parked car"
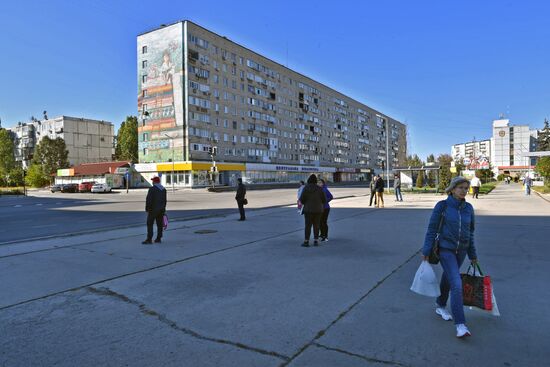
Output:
[[101, 187], [86, 186], [55, 188], [69, 188]]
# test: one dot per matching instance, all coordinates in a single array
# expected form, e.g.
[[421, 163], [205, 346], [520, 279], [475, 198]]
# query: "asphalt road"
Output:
[[45, 214]]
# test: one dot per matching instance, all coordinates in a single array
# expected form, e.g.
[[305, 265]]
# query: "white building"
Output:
[[87, 140], [476, 154], [509, 144]]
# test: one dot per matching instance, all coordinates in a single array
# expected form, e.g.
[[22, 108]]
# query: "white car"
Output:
[[101, 187]]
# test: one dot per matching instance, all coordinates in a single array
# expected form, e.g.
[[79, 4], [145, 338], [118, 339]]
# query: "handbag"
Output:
[[477, 290], [245, 201], [433, 258]]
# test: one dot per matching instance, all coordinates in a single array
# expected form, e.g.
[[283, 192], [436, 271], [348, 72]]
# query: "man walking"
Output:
[[241, 198], [373, 190], [476, 184], [527, 182], [397, 188], [155, 206], [379, 187]]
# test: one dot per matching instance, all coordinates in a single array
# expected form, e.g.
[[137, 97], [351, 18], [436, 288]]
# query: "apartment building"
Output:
[[475, 154], [510, 144], [87, 140], [199, 91]]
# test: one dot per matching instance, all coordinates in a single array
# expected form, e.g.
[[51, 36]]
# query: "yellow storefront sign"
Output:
[[199, 166], [65, 172]]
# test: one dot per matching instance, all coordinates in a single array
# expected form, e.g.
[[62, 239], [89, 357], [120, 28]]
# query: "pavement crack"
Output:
[[103, 291], [347, 310], [368, 359]]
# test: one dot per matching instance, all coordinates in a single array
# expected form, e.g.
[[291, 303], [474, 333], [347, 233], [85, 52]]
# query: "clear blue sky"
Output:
[[445, 68]]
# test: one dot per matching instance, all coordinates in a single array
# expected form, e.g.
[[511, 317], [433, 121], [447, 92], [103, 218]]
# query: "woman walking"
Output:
[[313, 199], [456, 240], [326, 211]]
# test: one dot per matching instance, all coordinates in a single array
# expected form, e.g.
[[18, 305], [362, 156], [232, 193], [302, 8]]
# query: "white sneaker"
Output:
[[445, 315], [462, 331]]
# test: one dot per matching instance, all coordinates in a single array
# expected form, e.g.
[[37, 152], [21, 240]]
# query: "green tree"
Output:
[[543, 139], [51, 155], [459, 166], [414, 161], [7, 156], [420, 180], [126, 148], [431, 174], [445, 175], [543, 168], [16, 176], [36, 177]]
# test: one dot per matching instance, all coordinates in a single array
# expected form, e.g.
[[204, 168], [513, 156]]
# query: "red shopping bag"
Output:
[[477, 290]]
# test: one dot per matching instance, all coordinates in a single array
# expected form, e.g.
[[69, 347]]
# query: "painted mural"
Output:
[[160, 93]]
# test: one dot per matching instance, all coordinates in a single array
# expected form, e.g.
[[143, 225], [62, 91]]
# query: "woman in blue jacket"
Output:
[[456, 240], [326, 211]]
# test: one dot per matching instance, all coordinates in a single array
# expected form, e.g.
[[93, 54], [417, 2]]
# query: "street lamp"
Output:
[[172, 143], [387, 157]]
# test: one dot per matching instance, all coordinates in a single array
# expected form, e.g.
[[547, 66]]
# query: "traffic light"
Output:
[[210, 150]]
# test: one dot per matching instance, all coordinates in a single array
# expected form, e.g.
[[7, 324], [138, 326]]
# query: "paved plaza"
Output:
[[218, 292]]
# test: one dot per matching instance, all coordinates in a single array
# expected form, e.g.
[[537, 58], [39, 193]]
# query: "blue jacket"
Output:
[[328, 195], [457, 232]]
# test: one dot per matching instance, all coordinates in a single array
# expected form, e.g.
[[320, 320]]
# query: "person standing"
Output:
[[476, 184], [379, 188], [155, 206], [326, 211], [527, 182], [373, 190], [456, 240], [313, 198], [397, 188], [300, 189], [241, 198]]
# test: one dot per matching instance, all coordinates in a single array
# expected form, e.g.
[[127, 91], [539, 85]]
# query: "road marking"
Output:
[[17, 206], [58, 203], [45, 225], [38, 204]]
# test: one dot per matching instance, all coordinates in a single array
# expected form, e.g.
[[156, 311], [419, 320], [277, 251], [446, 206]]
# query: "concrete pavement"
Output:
[[249, 295]]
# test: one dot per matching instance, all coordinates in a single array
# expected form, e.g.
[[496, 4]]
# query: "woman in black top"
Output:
[[313, 199]]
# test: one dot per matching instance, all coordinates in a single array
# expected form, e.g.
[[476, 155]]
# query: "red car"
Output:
[[86, 186]]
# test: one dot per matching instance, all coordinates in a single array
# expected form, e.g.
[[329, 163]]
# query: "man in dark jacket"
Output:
[[241, 197], [313, 199], [379, 188], [155, 206], [373, 190]]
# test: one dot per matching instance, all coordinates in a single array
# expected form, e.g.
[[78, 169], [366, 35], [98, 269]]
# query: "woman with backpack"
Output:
[[456, 240]]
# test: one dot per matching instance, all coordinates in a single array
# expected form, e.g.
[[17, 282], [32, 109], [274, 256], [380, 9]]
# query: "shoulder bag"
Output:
[[433, 258]]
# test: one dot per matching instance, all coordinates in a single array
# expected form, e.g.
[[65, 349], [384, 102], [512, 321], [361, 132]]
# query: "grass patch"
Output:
[[542, 189], [11, 191], [487, 187]]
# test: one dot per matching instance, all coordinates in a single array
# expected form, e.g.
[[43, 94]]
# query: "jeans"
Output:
[[324, 224], [398, 195], [312, 219], [527, 190], [372, 196], [451, 281]]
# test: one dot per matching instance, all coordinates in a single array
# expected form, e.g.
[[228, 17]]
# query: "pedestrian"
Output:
[[476, 184], [397, 188], [300, 189], [241, 198], [456, 240], [373, 190], [155, 206], [326, 211], [313, 198], [379, 187], [527, 182]]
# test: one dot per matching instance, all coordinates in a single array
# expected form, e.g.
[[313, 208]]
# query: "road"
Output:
[[45, 214]]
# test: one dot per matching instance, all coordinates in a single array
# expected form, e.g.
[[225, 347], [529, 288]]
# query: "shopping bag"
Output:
[[477, 290], [165, 221], [495, 311], [425, 282]]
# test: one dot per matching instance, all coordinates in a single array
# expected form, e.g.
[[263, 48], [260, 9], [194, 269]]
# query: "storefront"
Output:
[[261, 173], [113, 174]]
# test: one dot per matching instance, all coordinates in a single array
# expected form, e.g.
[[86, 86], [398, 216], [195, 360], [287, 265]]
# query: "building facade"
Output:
[[510, 144], [199, 91], [475, 154], [86, 140]]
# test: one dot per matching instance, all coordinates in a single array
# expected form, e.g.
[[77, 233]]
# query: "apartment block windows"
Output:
[[144, 50], [144, 93], [198, 41], [144, 64], [144, 78]]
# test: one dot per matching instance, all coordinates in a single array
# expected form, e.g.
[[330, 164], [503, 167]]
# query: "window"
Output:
[[144, 78], [225, 137], [144, 93], [144, 64], [144, 50]]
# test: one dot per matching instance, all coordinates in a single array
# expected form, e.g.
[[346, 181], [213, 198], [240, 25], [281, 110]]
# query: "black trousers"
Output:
[[312, 219], [241, 209], [475, 194], [324, 224], [372, 196], [151, 218]]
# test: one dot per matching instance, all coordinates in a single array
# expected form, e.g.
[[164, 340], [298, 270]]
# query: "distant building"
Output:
[[87, 140], [114, 174], [509, 144], [269, 123], [476, 154]]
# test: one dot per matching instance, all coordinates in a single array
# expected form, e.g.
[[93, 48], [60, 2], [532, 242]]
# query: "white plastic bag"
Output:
[[494, 311], [425, 282]]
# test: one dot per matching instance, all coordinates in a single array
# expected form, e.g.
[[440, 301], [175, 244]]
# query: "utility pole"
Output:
[[387, 157], [213, 169], [172, 144]]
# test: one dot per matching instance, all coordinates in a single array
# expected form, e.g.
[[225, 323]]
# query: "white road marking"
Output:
[[17, 206], [38, 204], [45, 225]]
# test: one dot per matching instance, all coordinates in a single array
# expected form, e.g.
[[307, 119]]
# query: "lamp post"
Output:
[[171, 143], [387, 157]]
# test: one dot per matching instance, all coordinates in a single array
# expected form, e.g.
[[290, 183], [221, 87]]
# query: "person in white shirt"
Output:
[[476, 184]]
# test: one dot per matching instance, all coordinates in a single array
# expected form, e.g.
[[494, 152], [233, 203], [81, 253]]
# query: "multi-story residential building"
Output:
[[199, 91], [475, 154], [510, 143], [87, 140]]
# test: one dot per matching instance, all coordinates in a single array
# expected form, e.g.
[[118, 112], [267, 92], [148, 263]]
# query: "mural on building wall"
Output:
[[160, 93]]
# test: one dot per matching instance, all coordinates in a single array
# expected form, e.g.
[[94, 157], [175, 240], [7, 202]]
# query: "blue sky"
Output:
[[445, 68]]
